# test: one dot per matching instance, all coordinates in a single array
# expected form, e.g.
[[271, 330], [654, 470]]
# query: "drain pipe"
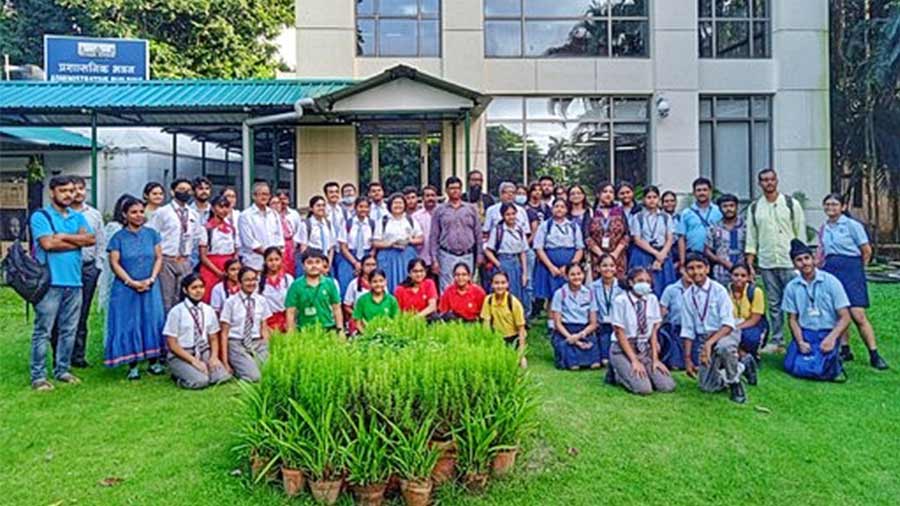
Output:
[[248, 144]]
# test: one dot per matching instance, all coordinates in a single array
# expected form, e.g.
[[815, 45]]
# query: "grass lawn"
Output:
[[794, 443]]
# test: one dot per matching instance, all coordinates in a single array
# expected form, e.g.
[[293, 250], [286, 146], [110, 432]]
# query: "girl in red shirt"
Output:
[[462, 299], [417, 294]]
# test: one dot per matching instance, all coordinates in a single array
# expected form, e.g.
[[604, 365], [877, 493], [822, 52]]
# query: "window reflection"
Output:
[[398, 28], [734, 29]]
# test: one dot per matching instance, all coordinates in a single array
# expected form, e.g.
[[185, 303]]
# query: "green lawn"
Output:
[[794, 443]]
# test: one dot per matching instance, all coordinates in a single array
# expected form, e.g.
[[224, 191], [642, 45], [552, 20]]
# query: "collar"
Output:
[[709, 207], [499, 300], [841, 220], [245, 297], [706, 286], [50, 208], [260, 212], [188, 303], [817, 279]]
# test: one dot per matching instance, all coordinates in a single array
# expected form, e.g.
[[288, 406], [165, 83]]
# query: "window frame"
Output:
[[750, 20], [523, 19], [419, 18]]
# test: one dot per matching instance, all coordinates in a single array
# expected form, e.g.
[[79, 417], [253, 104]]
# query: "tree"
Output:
[[23, 24]]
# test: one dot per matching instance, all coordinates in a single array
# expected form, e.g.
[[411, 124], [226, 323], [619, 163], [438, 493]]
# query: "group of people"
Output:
[[636, 287]]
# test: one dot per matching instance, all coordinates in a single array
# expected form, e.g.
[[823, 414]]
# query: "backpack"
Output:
[[28, 277], [387, 218], [640, 219], [348, 224], [788, 201], [498, 238]]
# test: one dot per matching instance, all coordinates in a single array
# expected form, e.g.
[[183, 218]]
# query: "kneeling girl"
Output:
[[574, 313], [244, 332]]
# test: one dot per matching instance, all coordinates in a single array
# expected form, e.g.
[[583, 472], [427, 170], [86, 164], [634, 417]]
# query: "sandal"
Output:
[[41, 385]]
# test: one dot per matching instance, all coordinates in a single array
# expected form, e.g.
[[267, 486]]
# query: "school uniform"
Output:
[[654, 228], [575, 309], [465, 306], [318, 234], [705, 311], [560, 240], [247, 351], [275, 291], [220, 294], [816, 305], [392, 260], [314, 303], [605, 296], [637, 316], [841, 242], [358, 238], [671, 348], [192, 325], [504, 314], [288, 231], [366, 308], [221, 246], [745, 306], [508, 244], [178, 226], [414, 301]]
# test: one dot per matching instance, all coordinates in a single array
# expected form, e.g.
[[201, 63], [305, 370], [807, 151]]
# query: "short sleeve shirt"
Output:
[[605, 297], [313, 303], [366, 308], [465, 305], [234, 313], [506, 240], [695, 223], [504, 314], [554, 234], [844, 237], [815, 304], [415, 301], [672, 299], [706, 310], [625, 317], [574, 307], [743, 308], [188, 330], [397, 229], [653, 227], [65, 266]]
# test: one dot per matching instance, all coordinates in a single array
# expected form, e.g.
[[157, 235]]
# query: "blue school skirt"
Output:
[[852, 274], [343, 271], [512, 266], [671, 347], [661, 279], [545, 285], [752, 338], [394, 263], [568, 356], [605, 336]]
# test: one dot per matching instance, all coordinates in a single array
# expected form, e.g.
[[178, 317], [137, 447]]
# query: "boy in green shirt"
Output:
[[313, 298], [376, 302]]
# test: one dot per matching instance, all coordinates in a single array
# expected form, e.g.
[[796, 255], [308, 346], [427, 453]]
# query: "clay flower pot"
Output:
[[257, 464], [503, 462], [475, 482], [326, 491], [416, 492], [369, 495], [392, 489], [293, 481], [445, 468]]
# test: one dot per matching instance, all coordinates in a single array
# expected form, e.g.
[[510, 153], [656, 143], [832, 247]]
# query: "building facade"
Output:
[[650, 91]]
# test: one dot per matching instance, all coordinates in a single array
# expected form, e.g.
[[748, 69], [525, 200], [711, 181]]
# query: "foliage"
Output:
[[23, 24], [475, 439], [411, 452], [366, 447], [399, 161]]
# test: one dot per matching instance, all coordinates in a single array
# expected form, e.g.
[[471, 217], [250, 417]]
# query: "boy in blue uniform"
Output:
[[671, 349]]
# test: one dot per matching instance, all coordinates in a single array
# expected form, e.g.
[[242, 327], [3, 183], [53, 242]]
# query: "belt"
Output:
[[445, 250], [177, 258]]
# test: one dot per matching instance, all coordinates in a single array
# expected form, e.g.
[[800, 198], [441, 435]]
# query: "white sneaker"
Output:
[[772, 349]]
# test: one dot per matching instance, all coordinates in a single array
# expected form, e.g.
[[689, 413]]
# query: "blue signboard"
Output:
[[87, 59]]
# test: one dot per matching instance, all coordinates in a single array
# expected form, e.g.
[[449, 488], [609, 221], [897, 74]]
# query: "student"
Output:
[[634, 355], [845, 251], [558, 243], [671, 348], [348, 200], [605, 290], [356, 289], [417, 293], [726, 240], [220, 247], [607, 231], [288, 231], [707, 321], [244, 335], [625, 194], [506, 249], [192, 336], [670, 206], [355, 244], [136, 315], [818, 312], [274, 281], [652, 235], [375, 302], [505, 314], [693, 227], [750, 316], [228, 286], [377, 208], [574, 313], [463, 299], [231, 195], [537, 212], [333, 210], [314, 299], [318, 234], [396, 237]]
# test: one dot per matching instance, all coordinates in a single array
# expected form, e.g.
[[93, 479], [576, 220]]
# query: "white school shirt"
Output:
[[335, 215], [319, 234], [258, 229], [652, 227], [624, 316], [293, 218], [552, 234], [353, 294], [176, 242], [378, 211], [218, 297], [492, 217], [275, 295], [221, 243], [359, 237], [397, 229], [705, 310], [233, 313], [514, 240], [182, 326]]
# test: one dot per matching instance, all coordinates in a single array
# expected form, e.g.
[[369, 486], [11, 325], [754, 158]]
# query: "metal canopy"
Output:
[[45, 138]]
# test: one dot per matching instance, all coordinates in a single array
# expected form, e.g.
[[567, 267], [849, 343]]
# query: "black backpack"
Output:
[[28, 277]]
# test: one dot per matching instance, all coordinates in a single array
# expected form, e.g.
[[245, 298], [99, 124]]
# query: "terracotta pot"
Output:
[[369, 495], [444, 470], [503, 462], [257, 464], [392, 489], [416, 492], [475, 482], [325, 491], [293, 481]]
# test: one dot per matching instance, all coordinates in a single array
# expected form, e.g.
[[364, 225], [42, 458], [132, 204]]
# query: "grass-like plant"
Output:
[[366, 449], [411, 454], [323, 456]]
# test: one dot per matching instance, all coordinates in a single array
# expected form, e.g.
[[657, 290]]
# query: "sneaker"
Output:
[[737, 393], [41, 385], [134, 374], [69, 378], [772, 349], [156, 369], [750, 370], [847, 354], [878, 363]]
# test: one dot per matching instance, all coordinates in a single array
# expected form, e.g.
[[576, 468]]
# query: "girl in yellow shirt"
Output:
[[749, 311]]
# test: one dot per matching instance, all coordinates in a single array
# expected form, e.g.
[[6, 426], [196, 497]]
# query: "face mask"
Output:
[[521, 199], [183, 197], [643, 289], [348, 201]]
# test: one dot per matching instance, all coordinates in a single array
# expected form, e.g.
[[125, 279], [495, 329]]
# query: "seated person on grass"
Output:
[[503, 312], [375, 302], [463, 299], [749, 303], [671, 349], [313, 299], [574, 313]]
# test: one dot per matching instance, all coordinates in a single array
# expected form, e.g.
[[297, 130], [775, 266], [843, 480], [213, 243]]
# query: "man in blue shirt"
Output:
[[59, 234], [695, 222]]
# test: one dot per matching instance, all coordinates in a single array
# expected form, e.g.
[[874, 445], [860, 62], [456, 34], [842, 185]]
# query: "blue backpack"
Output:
[[816, 365]]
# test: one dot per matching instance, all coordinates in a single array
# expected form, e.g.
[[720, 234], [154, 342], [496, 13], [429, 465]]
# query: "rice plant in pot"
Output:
[[366, 447], [256, 431], [292, 442], [475, 441], [323, 456], [514, 417], [413, 457]]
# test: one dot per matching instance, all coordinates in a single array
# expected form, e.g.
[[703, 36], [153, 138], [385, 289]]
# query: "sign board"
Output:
[[87, 59]]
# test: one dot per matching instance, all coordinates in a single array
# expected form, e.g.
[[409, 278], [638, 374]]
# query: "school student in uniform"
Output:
[[670, 344], [558, 243], [818, 311], [605, 290], [652, 234], [634, 355], [506, 249], [670, 205], [396, 237], [750, 316], [574, 313], [375, 302], [707, 321], [318, 234], [358, 287], [220, 246], [845, 251], [280, 206], [314, 299], [228, 286], [417, 293], [505, 314], [355, 245], [192, 335], [463, 299], [244, 334], [274, 282]]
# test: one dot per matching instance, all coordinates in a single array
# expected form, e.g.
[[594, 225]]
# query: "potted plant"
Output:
[[323, 456], [445, 468], [366, 457], [475, 440], [513, 417], [256, 432], [414, 458], [292, 443]]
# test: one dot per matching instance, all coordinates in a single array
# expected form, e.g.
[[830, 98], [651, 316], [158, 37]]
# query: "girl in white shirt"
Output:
[[192, 336], [227, 287], [396, 237], [355, 289], [244, 333], [355, 245], [273, 285], [317, 230], [220, 244]]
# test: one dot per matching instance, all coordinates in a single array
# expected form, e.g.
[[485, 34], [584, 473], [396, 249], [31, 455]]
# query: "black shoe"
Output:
[[737, 393], [750, 370], [847, 354], [80, 364], [878, 363]]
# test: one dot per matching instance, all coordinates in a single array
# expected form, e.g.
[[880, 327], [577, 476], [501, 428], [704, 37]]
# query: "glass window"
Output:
[[566, 28], [734, 29], [735, 141], [398, 28], [575, 137]]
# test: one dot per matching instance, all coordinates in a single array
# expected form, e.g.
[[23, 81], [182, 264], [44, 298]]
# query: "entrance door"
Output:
[[400, 160]]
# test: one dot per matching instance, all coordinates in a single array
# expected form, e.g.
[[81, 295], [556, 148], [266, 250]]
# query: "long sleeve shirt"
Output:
[[456, 230], [770, 230], [258, 229]]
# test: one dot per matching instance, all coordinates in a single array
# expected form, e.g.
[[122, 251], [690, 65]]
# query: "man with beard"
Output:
[[59, 235], [548, 189], [726, 240], [202, 193], [475, 195]]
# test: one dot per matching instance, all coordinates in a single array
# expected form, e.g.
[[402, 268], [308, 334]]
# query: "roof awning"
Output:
[[13, 138]]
